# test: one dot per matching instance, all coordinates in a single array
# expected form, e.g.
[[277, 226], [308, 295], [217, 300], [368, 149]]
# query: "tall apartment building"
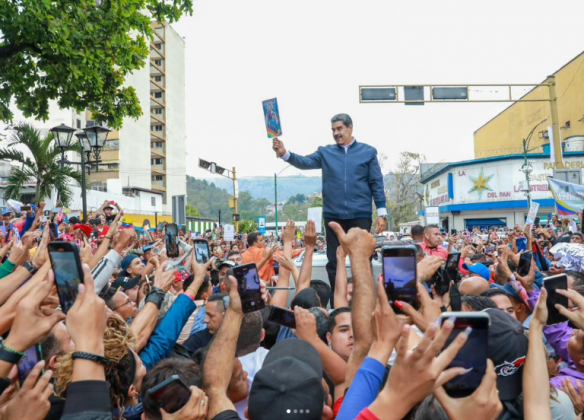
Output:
[[150, 152]]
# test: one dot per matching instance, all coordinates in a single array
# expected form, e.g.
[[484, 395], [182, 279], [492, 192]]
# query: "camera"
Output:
[[446, 274]]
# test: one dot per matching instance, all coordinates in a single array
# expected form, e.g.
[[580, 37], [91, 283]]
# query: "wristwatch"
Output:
[[102, 360]]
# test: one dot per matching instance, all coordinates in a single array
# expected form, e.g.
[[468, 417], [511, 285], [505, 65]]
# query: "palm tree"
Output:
[[40, 165]]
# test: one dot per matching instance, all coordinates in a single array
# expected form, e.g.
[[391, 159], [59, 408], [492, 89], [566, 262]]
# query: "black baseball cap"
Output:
[[123, 282], [507, 349], [289, 384]]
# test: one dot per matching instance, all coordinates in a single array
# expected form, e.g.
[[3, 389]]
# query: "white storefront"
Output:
[[488, 192]]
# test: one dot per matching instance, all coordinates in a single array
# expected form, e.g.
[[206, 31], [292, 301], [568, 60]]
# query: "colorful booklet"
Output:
[[272, 118]]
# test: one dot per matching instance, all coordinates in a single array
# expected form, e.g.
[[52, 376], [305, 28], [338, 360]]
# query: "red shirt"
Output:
[[366, 415], [434, 252]]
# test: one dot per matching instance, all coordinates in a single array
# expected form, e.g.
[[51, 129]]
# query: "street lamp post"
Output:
[[276, 195], [91, 139], [527, 168]]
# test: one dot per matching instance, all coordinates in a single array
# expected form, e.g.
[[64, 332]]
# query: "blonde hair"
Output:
[[118, 341]]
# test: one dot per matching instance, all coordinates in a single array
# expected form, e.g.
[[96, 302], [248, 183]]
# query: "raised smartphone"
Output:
[[202, 250], [66, 265], [171, 394], [399, 274], [473, 355], [282, 317], [32, 356], [524, 263], [552, 284], [172, 238], [249, 288]]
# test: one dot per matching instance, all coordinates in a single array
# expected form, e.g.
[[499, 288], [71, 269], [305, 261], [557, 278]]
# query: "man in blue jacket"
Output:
[[351, 180]]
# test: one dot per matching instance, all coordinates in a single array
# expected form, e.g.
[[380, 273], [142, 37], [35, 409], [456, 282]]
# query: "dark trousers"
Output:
[[332, 243]]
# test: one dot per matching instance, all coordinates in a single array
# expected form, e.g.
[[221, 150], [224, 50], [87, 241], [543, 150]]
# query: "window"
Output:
[[158, 45], [158, 95], [158, 62], [157, 111], [157, 178], [159, 144], [155, 128], [158, 78], [156, 161], [153, 201]]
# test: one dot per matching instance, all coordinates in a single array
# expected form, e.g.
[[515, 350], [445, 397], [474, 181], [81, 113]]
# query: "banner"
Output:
[[229, 233], [315, 214], [569, 198], [272, 118], [532, 213], [262, 225], [432, 215]]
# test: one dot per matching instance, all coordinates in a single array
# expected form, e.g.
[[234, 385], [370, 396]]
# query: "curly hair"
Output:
[[119, 342]]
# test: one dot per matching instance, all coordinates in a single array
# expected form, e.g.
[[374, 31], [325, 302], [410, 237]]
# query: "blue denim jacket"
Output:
[[351, 180]]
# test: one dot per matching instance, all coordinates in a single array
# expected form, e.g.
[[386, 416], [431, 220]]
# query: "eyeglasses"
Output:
[[127, 302]]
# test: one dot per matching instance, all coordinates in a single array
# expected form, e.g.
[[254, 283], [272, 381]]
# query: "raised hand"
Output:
[[305, 325], [32, 401], [164, 279], [87, 317], [289, 233], [483, 404], [429, 311], [417, 373], [195, 408], [356, 243], [32, 323], [428, 267], [310, 234], [278, 147]]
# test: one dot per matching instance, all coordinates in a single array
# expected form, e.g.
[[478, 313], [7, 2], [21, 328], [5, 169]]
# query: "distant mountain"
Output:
[[263, 187]]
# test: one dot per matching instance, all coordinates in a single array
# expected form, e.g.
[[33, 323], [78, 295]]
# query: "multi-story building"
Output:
[[150, 152]]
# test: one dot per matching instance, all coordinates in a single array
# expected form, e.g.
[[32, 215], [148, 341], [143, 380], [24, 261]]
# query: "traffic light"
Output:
[[236, 217]]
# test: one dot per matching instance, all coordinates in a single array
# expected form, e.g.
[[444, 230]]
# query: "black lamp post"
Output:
[[97, 136], [63, 134], [91, 139]]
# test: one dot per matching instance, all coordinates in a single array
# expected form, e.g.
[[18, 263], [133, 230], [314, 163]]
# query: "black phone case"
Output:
[[74, 249]]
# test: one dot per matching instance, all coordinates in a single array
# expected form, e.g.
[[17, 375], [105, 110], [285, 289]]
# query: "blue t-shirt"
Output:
[[284, 334], [363, 389]]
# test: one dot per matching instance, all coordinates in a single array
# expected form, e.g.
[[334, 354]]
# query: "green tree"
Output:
[[77, 53], [41, 167], [403, 189], [193, 211], [247, 226]]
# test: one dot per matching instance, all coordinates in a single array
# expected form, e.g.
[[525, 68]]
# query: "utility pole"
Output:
[[551, 82], [235, 194], [276, 200], [219, 217]]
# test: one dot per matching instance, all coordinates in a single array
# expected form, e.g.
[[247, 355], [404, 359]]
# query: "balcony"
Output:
[[157, 152]]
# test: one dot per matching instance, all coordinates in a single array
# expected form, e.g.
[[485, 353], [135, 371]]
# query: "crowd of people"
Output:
[[141, 319]]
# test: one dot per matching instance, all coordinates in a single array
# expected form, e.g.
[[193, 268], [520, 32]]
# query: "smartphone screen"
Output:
[[172, 240], [171, 394], [202, 250], [524, 263], [68, 272], [473, 355], [551, 284], [248, 286], [282, 317], [399, 274], [31, 357], [452, 265]]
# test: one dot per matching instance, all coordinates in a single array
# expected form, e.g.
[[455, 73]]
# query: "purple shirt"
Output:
[[567, 373]]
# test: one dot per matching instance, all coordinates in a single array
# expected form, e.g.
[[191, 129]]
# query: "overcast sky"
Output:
[[313, 55]]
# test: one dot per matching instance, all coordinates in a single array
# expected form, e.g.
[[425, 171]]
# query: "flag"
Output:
[[569, 198]]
